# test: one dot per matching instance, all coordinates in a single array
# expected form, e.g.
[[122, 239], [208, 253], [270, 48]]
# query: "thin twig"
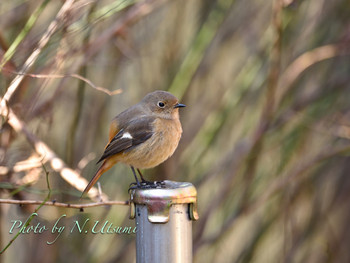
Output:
[[53, 203], [61, 76]]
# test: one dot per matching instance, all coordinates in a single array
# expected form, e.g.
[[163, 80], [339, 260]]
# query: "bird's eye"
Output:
[[160, 104]]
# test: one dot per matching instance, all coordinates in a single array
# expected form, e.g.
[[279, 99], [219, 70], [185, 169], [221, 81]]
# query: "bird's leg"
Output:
[[143, 179], [150, 184], [144, 184], [137, 180]]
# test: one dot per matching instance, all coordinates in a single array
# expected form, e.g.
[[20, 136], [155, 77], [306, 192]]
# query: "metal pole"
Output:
[[164, 222]]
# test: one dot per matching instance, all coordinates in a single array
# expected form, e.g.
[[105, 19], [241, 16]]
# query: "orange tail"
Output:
[[107, 164]]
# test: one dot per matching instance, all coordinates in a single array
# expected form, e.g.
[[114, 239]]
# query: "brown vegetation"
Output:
[[266, 126]]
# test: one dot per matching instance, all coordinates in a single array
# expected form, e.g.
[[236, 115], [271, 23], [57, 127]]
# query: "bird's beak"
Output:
[[179, 105]]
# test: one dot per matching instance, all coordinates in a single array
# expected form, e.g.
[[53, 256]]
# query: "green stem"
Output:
[[33, 214], [27, 27]]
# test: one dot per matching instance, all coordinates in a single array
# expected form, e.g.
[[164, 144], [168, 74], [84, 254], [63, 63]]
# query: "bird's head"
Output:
[[162, 104]]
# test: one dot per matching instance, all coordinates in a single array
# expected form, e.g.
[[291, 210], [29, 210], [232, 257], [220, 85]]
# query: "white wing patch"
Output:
[[126, 135]]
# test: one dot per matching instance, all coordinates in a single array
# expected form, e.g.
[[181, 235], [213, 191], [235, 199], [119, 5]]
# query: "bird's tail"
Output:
[[103, 168]]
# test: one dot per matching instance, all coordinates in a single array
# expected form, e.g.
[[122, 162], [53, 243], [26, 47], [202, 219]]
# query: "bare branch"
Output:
[[135, 13], [68, 174], [33, 57], [295, 175], [305, 61], [61, 76], [31, 163], [84, 161], [53, 203]]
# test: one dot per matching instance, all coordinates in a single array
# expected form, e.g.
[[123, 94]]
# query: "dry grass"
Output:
[[266, 126]]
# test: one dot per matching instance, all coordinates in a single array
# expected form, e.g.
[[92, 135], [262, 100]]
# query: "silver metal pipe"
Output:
[[164, 222]]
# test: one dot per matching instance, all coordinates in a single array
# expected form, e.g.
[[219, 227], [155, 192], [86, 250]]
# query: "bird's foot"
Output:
[[133, 186], [146, 185], [152, 184]]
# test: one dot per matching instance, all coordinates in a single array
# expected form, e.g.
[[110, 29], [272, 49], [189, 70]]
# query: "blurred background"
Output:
[[266, 127]]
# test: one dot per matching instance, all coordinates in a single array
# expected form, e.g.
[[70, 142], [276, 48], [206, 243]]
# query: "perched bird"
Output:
[[142, 136]]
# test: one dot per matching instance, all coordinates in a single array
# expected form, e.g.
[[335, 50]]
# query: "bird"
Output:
[[142, 136]]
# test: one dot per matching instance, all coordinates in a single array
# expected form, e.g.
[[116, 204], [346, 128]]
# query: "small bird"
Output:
[[143, 136]]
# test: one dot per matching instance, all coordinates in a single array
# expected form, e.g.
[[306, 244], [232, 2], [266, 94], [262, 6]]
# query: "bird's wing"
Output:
[[113, 130], [129, 136]]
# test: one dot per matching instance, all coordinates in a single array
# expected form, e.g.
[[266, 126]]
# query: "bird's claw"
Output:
[[133, 186], [146, 185]]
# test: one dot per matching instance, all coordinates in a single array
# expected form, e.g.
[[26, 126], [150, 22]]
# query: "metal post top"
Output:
[[159, 200], [176, 192]]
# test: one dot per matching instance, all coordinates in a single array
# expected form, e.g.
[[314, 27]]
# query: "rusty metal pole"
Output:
[[164, 218]]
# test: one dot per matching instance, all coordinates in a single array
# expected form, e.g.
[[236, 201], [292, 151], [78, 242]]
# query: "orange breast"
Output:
[[156, 149]]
